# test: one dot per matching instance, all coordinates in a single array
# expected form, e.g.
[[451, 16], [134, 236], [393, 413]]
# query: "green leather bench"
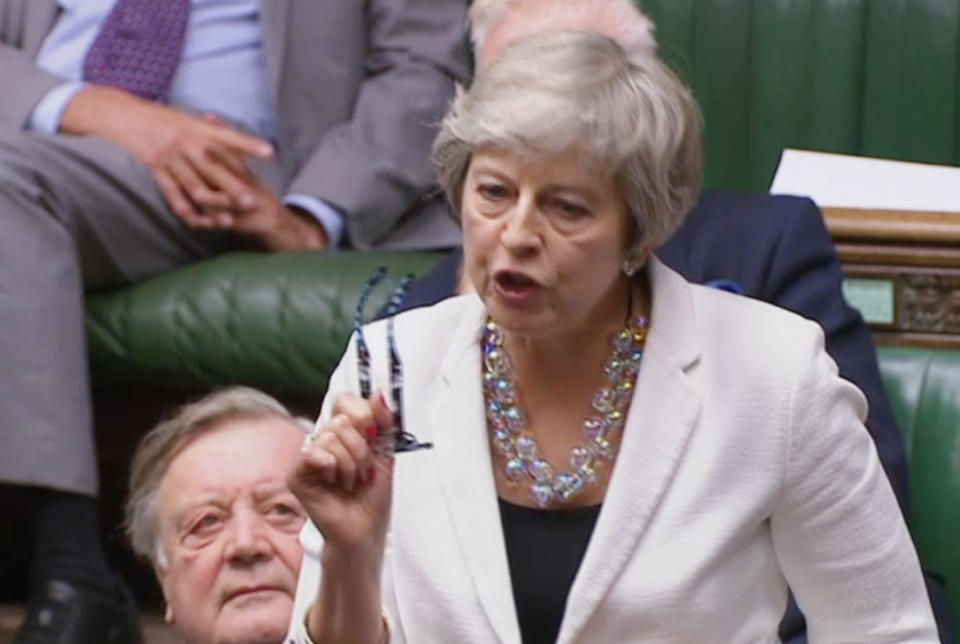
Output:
[[278, 322], [872, 77], [924, 388]]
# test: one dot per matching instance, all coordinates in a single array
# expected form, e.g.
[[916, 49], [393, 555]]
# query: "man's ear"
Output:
[[163, 579]]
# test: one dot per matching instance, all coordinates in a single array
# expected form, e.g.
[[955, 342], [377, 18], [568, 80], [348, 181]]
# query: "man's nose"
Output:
[[248, 541]]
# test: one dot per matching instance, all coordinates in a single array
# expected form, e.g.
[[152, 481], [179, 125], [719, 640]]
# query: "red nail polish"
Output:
[[371, 473], [372, 433]]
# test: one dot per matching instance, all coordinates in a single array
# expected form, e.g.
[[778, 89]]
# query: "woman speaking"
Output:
[[617, 455]]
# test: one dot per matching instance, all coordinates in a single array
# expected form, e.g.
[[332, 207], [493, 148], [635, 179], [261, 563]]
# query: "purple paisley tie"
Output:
[[139, 47]]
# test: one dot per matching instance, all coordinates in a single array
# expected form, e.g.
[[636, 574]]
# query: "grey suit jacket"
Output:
[[359, 89]]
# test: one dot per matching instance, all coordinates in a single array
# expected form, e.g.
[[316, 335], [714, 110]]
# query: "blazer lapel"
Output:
[[662, 414], [274, 18], [468, 486], [38, 21]]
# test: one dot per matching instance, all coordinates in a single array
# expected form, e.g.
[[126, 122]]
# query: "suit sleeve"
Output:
[[839, 536], [377, 165], [805, 276], [25, 85]]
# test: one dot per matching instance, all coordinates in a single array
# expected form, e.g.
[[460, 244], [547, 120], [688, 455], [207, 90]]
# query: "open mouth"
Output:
[[514, 283]]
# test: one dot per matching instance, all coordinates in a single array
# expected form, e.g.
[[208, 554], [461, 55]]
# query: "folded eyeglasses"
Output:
[[403, 441]]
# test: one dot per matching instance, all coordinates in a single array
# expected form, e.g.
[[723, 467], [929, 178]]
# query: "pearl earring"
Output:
[[629, 267]]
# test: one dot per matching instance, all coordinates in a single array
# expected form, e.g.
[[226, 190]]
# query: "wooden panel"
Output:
[[898, 255], [925, 301], [926, 340], [913, 255], [894, 226]]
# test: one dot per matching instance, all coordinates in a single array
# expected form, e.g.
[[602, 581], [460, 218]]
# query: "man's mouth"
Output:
[[251, 591]]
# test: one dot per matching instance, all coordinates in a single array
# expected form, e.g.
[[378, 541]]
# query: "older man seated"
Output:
[[210, 509]]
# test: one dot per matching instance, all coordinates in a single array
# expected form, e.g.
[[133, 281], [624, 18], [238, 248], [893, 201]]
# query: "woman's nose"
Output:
[[521, 228]]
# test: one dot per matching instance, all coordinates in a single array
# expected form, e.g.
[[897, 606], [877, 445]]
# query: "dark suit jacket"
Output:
[[776, 249]]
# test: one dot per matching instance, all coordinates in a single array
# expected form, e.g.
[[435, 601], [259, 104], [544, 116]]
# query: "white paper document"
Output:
[[841, 181]]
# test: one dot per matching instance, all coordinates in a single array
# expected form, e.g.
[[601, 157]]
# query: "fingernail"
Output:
[[383, 400], [372, 433], [247, 201], [371, 473]]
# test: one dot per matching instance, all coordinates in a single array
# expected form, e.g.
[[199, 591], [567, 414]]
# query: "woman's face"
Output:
[[544, 242]]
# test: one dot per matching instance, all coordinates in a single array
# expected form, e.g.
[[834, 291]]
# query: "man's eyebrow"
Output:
[[181, 512], [269, 490]]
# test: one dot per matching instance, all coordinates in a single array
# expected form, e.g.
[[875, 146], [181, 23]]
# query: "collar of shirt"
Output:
[[75, 5], [86, 7]]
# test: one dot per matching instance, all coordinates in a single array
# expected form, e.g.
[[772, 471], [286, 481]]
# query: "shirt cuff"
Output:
[[326, 215], [45, 117]]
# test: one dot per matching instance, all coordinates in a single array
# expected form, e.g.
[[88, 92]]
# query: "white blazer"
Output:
[[744, 466]]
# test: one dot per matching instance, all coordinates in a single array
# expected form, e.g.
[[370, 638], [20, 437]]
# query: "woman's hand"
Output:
[[344, 485]]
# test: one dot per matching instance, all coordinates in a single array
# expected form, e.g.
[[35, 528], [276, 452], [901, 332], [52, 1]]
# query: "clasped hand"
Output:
[[199, 164]]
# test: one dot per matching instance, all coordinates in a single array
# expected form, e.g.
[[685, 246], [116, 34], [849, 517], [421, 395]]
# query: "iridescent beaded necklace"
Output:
[[601, 429]]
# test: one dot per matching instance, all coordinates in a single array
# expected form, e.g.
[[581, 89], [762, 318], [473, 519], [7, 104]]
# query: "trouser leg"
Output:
[[74, 213]]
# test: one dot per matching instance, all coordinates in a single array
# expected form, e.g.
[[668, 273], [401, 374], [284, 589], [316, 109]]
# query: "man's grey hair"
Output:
[[565, 90], [620, 20], [163, 443]]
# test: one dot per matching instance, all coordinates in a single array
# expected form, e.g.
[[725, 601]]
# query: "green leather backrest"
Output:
[[924, 388], [871, 77], [275, 321]]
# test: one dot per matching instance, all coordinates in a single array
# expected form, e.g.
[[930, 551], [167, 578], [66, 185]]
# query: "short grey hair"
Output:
[[623, 20], [163, 443], [556, 91]]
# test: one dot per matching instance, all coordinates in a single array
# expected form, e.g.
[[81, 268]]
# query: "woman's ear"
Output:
[[635, 258]]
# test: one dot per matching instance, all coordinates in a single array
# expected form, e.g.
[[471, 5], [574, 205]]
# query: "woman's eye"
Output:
[[493, 191], [570, 209]]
